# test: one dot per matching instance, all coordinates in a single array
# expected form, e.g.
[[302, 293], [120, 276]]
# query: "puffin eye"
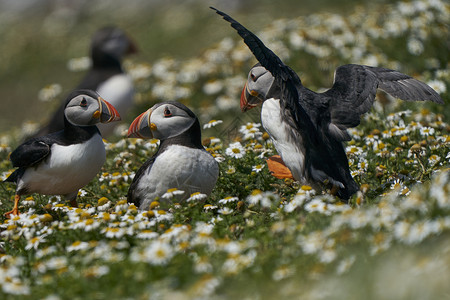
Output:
[[83, 102], [252, 76], [167, 112]]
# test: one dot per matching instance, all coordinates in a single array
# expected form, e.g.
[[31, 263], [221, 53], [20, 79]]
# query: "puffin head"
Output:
[[257, 87], [109, 43], [163, 121], [87, 108]]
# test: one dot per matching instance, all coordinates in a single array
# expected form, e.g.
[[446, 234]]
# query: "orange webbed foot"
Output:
[[277, 167], [15, 210], [74, 203]]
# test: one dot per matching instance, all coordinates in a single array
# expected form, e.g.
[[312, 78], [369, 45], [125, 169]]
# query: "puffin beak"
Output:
[[107, 112], [245, 96], [141, 126], [132, 48]]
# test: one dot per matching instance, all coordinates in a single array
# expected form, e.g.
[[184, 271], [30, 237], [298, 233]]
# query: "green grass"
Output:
[[255, 236]]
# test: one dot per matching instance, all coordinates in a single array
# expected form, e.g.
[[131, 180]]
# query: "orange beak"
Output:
[[132, 48], [141, 126], [245, 106], [108, 113], [244, 103]]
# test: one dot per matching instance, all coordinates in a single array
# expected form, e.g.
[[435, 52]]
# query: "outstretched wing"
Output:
[[264, 55], [30, 153], [404, 87], [355, 87], [285, 77]]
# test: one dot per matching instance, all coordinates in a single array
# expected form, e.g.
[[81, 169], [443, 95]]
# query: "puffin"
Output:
[[61, 163], [109, 46], [308, 129], [180, 162]]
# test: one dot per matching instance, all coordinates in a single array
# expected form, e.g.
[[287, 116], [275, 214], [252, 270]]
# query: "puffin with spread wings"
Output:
[[308, 128]]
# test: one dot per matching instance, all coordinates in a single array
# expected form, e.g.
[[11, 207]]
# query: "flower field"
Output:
[[256, 236]]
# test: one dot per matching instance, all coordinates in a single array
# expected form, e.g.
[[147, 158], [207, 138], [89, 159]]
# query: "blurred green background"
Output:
[[38, 37]]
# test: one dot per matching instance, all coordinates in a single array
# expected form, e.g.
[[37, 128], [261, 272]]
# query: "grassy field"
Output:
[[255, 236]]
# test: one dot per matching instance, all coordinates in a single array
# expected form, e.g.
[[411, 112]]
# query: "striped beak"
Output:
[[141, 126], [107, 112], [245, 97]]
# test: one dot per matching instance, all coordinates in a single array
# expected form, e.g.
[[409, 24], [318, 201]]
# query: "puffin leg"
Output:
[[72, 198], [277, 168], [334, 190], [15, 210]]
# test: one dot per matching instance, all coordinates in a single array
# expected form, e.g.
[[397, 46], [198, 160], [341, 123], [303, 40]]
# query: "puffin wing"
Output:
[[131, 198], [264, 55], [285, 77], [404, 87], [30, 153], [355, 87]]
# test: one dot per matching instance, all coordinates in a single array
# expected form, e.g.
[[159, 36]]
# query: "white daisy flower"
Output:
[[79, 64], [212, 123], [228, 199], [426, 131], [257, 168], [235, 150], [171, 193], [225, 211], [231, 170], [158, 253], [196, 197], [438, 85]]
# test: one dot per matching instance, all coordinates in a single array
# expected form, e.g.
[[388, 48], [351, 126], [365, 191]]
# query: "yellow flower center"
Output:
[[256, 192]]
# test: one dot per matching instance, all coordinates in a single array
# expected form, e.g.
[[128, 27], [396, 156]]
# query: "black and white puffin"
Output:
[[109, 46], [61, 163], [181, 161], [308, 128]]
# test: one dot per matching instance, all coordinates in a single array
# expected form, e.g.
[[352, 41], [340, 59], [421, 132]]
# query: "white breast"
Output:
[[287, 144], [187, 169], [119, 91], [67, 169]]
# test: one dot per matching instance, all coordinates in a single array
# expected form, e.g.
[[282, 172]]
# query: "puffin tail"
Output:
[[14, 176]]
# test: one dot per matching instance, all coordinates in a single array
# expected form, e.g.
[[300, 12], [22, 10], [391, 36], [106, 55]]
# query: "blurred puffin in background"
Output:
[[308, 128], [61, 163], [106, 76], [181, 161]]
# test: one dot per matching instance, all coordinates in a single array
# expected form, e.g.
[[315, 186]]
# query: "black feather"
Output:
[[322, 119], [285, 77]]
